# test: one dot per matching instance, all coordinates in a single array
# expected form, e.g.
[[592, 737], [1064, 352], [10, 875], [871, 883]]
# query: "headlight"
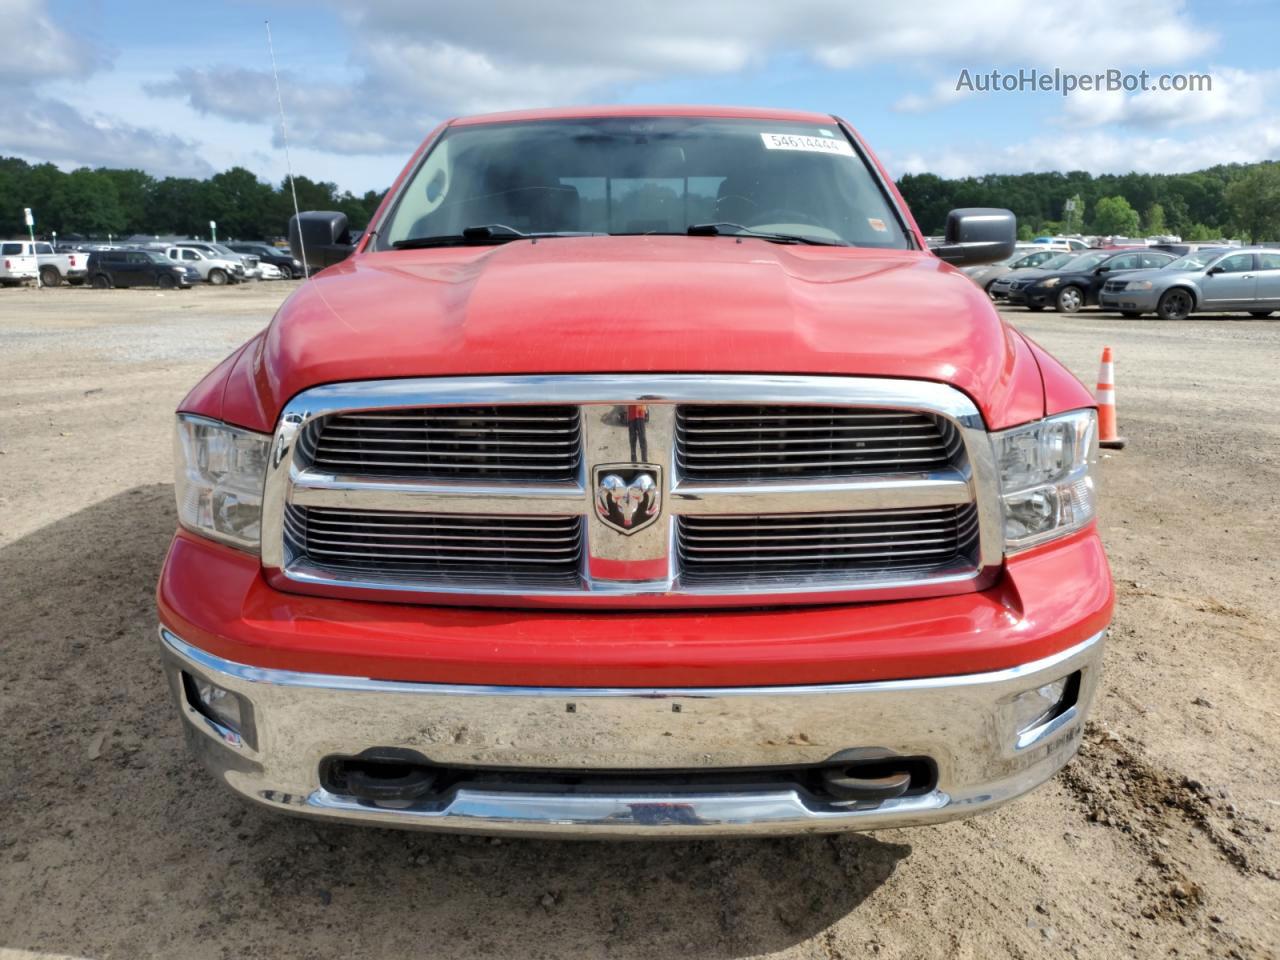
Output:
[[1138, 285], [1051, 282], [297, 263], [1044, 477], [218, 473]]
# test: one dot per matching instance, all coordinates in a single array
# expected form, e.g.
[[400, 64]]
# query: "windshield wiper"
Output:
[[736, 229], [483, 235]]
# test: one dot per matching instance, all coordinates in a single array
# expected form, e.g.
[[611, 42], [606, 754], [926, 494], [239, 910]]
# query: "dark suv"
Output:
[[289, 265], [138, 268]]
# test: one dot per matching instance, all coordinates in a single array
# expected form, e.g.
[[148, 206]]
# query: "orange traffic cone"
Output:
[[1106, 396]]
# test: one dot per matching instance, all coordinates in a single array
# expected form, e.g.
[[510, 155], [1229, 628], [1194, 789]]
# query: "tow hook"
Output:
[[847, 788], [390, 785]]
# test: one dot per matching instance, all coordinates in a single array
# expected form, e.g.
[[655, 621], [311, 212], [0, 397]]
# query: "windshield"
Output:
[[641, 175], [1056, 261], [1194, 261], [1083, 262]]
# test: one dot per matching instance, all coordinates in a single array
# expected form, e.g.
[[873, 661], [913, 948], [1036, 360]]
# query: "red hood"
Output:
[[637, 304]]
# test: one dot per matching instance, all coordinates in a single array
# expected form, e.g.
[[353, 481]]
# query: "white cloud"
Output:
[[48, 129], [420, 62], [35, 52], [1091, 35], [33, 47], [658, 37], [1097, 152], [944, 92], [334, 117], [1234, 95]]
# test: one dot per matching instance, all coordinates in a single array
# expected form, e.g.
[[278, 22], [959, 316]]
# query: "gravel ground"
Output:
[[1157, 841]]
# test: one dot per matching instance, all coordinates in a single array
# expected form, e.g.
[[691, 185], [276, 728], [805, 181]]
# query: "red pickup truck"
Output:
[[639, 471]]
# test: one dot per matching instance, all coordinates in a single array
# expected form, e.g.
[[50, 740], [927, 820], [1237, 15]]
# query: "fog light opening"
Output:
[[1034, 708], [216, 704]]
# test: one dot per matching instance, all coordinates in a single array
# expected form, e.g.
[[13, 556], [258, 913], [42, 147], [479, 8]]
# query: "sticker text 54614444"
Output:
[[795, 141]]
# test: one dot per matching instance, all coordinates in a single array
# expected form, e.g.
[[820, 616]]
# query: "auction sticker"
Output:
[[792, 141]]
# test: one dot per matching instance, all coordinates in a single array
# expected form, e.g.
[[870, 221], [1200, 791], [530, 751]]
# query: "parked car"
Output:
[[249, 260], [17, 263], [269, 271], [1225, 279], [289, 265], [211, 267], [1076, 284], [247, 264], [987, 274], [998, 289], [137, 268], [1182, 249], [1063, 243], [622, 530]]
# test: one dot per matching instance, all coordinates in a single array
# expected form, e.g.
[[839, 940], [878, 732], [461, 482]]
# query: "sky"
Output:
[[186, 89]]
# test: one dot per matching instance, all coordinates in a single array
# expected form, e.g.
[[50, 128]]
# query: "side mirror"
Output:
[[978, 235], [321, 236], [1102, 269], [1214, 271]]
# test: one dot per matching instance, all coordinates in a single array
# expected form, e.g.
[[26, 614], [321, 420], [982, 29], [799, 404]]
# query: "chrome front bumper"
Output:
[[291, 722]]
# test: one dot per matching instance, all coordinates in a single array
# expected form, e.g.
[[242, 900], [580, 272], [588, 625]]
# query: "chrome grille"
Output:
[[535, 443], [766, 489], [775, 442], [1114, 286], [894, 542], [454, 547]]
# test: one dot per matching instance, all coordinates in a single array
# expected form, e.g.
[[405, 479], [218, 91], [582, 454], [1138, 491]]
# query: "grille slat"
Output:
[[484, 441], [837, 555], [837, 413], [316, 538], [499, 444], [835, 447], [786, 435], [785, 468], [775, 443], [456, 469], [439, 550], [739, 549], [787, 543], [475, 548]]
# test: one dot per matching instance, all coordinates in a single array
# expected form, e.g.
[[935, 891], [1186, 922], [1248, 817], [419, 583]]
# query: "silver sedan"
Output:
[[987, 273], [1206, 281]]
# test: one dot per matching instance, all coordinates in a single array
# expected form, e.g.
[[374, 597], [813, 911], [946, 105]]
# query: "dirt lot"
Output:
[[1157, 841]]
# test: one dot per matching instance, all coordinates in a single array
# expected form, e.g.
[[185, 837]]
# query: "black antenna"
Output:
[[288, 161]]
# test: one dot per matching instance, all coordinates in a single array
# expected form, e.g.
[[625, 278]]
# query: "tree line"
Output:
[[97, 203], [1229, 200]]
